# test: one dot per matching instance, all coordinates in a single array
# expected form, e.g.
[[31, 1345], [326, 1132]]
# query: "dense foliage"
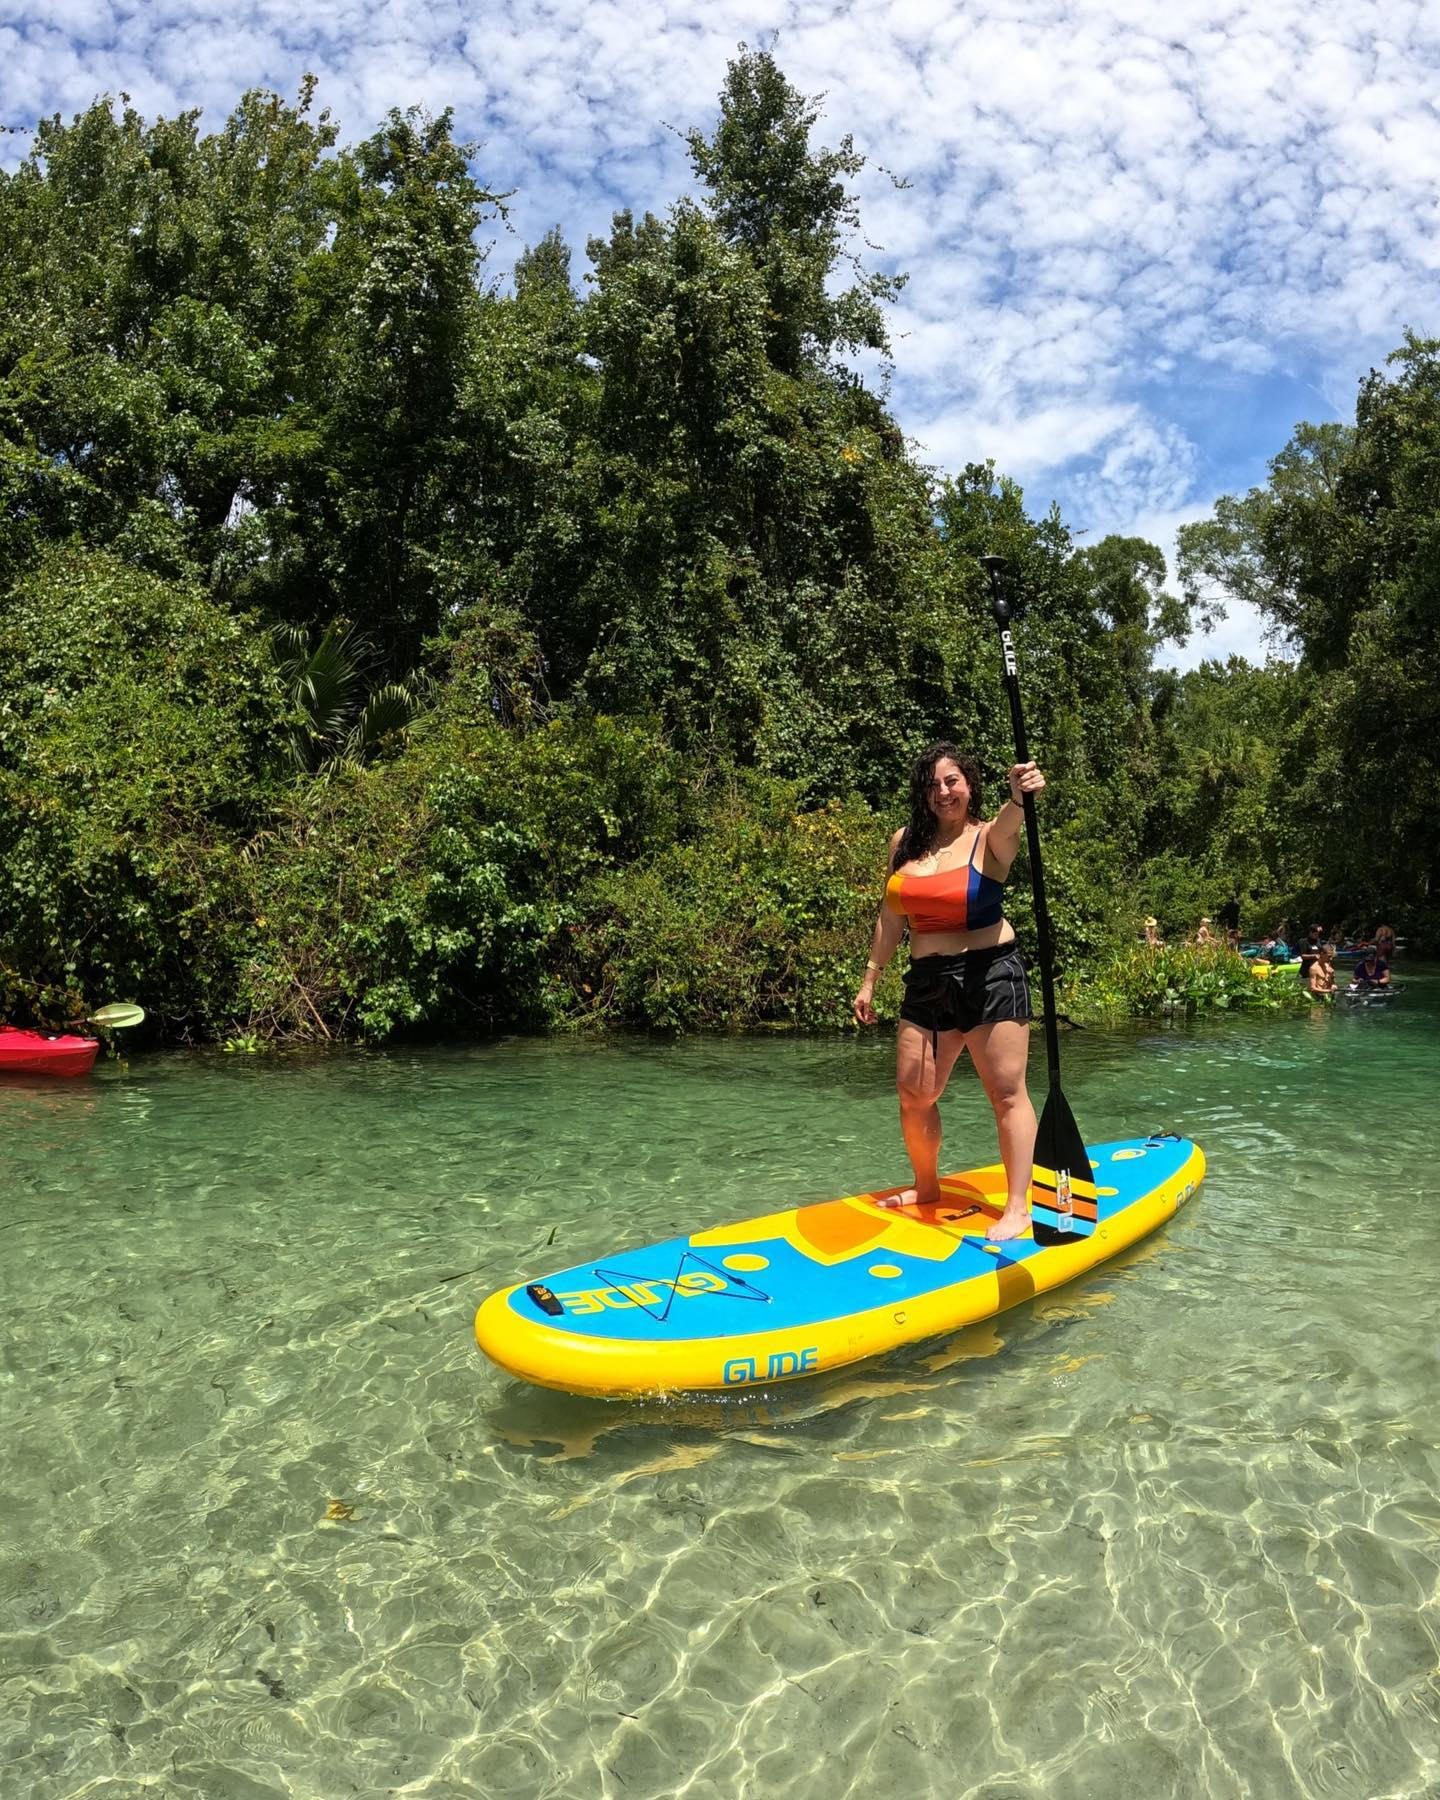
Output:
[[138, 724], [1339, 549], [382, 649]]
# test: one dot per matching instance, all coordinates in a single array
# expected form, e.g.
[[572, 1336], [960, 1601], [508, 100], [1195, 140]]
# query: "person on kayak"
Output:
[[965, 987], [1320, 976]]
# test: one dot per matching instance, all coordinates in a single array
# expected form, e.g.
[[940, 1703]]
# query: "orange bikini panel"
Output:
[[932, 902]]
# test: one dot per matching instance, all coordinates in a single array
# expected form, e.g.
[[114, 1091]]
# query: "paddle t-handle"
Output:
[[995, 567]]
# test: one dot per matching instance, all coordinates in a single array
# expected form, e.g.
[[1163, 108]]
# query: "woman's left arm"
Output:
[[1002, 841]]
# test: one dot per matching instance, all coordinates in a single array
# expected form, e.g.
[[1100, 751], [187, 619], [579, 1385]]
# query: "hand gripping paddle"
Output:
[[1063, 1201]]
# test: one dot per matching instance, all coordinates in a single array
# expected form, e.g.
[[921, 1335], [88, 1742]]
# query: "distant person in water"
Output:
[[1310, 949], [965, 988], [1228, 916], [1152, 935], [1203, 935], [1385, 941], [1372, 971], [1232, 939], [1320, 977]]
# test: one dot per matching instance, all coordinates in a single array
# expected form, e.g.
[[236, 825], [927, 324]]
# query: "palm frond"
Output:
[[390, 709], [339, 721]]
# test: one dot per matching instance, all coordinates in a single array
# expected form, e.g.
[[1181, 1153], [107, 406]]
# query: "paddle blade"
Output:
[[118, 1015], [1062, 1174]]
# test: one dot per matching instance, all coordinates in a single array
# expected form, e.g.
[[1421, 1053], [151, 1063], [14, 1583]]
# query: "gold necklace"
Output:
[[947, 850]]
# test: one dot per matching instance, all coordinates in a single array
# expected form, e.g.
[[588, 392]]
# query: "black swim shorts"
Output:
[[957, 993]]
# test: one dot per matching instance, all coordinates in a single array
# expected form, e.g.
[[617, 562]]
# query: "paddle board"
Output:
[[815, 1287]]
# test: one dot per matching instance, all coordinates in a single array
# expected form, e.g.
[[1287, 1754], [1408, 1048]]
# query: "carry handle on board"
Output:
[[1063, 1202]]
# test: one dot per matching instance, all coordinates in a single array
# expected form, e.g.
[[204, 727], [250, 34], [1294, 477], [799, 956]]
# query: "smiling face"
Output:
[[948, 795], [945, 793]]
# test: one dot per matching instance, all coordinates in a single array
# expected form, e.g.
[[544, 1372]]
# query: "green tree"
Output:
[[148, 308], [752, 557], [1292, 548], [1222, 815], [544, 268], [1339, 550], [388, 325], [786, 205], [235, 357]]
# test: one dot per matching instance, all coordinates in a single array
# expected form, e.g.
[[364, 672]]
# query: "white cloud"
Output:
[[1042, 440], [1105, 192]]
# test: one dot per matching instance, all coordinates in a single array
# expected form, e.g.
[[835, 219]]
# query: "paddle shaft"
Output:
[[1001, 609]]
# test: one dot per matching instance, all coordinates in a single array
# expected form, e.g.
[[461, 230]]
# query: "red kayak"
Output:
[[41, 1053]]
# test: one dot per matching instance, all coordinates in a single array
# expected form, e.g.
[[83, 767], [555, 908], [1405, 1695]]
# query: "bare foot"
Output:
[[1012, 1223], [907, 1197]]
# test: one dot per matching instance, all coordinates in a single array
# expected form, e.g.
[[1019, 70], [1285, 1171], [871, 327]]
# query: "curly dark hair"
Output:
[[918, 837]]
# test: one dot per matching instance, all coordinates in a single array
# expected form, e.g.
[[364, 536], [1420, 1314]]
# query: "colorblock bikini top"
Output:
[[963, 899]]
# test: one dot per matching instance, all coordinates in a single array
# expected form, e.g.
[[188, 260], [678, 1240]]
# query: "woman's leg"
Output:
[[999, 1052], [920, 1077]]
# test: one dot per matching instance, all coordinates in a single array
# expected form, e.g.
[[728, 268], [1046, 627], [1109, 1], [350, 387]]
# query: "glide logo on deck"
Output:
[[771, 1368], [640, 1293]]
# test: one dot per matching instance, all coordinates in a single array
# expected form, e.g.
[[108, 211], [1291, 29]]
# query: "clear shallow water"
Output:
[[1171, 1531]]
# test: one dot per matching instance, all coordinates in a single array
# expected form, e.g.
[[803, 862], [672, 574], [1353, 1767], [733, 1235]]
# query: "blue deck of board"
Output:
[[794, 1289]]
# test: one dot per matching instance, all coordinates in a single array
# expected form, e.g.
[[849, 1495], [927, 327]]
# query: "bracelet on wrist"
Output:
[[878, 968]]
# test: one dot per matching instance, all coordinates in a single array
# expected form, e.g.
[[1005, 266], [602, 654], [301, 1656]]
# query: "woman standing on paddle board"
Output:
[[965, 988]]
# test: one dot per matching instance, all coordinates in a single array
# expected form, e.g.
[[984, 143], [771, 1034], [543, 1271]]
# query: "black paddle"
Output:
[[1063, 1198]]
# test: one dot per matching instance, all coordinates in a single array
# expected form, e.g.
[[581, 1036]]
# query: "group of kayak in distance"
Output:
[[1313, 960]]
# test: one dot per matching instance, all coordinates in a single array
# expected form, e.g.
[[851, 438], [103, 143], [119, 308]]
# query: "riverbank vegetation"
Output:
[[1176, 979], [384, 649]]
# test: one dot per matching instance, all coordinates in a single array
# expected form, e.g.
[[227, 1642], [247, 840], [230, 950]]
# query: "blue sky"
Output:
[[1143, 240]]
